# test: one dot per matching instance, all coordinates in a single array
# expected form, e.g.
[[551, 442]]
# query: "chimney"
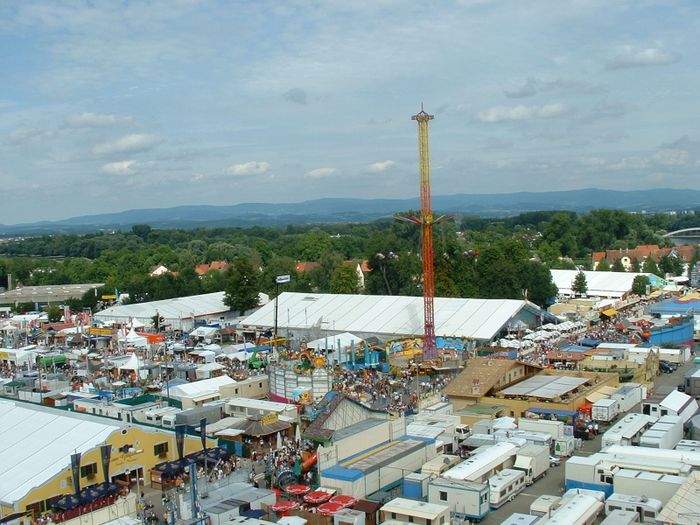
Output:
[[9, 282]]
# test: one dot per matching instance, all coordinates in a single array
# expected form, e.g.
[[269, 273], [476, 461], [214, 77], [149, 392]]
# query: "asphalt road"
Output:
[[553, 482]]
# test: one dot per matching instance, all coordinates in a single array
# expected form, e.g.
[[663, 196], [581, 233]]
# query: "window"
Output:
[[161, 449], [443, 495], [410, 519], [484, 498], [88, 471], [260, 385], [442, 520], [393, 515]]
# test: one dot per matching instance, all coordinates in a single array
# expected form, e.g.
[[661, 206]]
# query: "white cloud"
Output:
[[249, 168], [381, 166], [518, 113], [127, 144], [94, 120], [630, 57], [592, 162], [319, 173], [630, 163], [25, 135], [124, 167], [671, 157]]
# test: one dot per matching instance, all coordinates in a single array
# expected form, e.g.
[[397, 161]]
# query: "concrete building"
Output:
[[47, 294]]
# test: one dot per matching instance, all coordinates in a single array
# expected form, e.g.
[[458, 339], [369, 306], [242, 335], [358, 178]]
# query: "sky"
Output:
[[114, 105]]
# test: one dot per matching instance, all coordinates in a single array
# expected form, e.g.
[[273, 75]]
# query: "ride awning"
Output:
[[610, 312]]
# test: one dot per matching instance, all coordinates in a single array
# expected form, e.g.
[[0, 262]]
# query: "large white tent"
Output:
[[387, 317], [343, 341], [36, 445], [600, 284]]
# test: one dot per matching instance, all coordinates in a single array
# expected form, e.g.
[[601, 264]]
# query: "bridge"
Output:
[[684, 236]]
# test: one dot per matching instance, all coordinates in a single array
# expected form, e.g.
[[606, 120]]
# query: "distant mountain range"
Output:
[[365, 210]]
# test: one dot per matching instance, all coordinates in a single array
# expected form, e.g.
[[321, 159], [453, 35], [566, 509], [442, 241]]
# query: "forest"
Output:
[[474, 257]]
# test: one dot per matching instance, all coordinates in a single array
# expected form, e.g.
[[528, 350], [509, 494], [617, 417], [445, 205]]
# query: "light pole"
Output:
[[280, 279]]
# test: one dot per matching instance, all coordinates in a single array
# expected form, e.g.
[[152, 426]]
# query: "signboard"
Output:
[[269, 419], [281, 279], [100, 331], [109, 297]]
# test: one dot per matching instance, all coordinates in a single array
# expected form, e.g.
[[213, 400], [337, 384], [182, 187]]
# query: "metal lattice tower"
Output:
[[426, 221]]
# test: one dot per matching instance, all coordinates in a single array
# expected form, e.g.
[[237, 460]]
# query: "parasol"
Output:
[[284, 506], [345, 501], [317, 496], [329, 508], [297, 490]]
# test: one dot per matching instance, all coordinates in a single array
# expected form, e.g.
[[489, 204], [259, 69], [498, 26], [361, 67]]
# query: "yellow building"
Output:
[[37, 443], [514, 387]]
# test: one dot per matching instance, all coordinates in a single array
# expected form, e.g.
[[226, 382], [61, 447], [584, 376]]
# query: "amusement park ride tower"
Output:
[[426, 221]]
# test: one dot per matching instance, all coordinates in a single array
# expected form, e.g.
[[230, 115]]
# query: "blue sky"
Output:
[[113, 105]]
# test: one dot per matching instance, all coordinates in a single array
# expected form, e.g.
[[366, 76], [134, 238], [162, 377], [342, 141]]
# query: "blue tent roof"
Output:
[[589, 342], [674, 307]]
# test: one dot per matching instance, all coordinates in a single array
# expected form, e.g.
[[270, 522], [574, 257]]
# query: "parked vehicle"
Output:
[[554, 461]]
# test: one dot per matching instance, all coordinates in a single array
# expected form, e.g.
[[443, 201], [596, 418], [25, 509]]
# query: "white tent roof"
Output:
[[133, 363], [479, 319], [200, 388], [203, 331], [36, 445], [344, 340], [169, 309], [600, 284], [135, 339], [210, 367]]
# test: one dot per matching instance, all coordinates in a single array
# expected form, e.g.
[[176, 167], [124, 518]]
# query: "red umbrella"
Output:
[[329, 508], [284, 506], [317, 496], [297, 490], [343, 500]]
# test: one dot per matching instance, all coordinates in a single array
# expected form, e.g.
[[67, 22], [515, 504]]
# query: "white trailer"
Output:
[[665, 433], [439, 464], [629, 395], [504, 486], [544, 505], [605, 410], [467, 500], [581, 509], [688, 444], [518, 518], [637, 482], [533, 460], [620, 517], [646, 508], [484, 463], [628, 431], [553, 428]]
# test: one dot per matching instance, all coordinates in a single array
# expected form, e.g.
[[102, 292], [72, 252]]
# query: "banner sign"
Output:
[[180, 439], [203, 432], [75, 471], [106, 455]]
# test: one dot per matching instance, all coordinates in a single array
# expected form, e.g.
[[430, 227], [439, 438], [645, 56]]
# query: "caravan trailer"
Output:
[[504, 486], [582, 509], [646, 508]]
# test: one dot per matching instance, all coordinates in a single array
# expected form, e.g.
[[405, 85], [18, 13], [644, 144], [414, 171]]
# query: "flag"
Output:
[[180, 439], [75, 471]]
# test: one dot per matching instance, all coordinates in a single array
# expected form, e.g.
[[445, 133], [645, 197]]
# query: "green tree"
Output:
[[634, 265], [242, 288], [603, 266], [345, 280], [618, 266], [650, 266], [55, 313], [141, 230], [538, 284], [580, 286], [639, 284]]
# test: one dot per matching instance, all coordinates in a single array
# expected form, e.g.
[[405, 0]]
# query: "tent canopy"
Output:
[[344, 340]]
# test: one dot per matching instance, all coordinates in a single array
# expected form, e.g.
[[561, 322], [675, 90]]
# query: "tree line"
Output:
[[474, 257]]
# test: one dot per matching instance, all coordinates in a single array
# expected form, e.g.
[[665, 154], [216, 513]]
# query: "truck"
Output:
[[533, 460], [605, 410], [439, 464]]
